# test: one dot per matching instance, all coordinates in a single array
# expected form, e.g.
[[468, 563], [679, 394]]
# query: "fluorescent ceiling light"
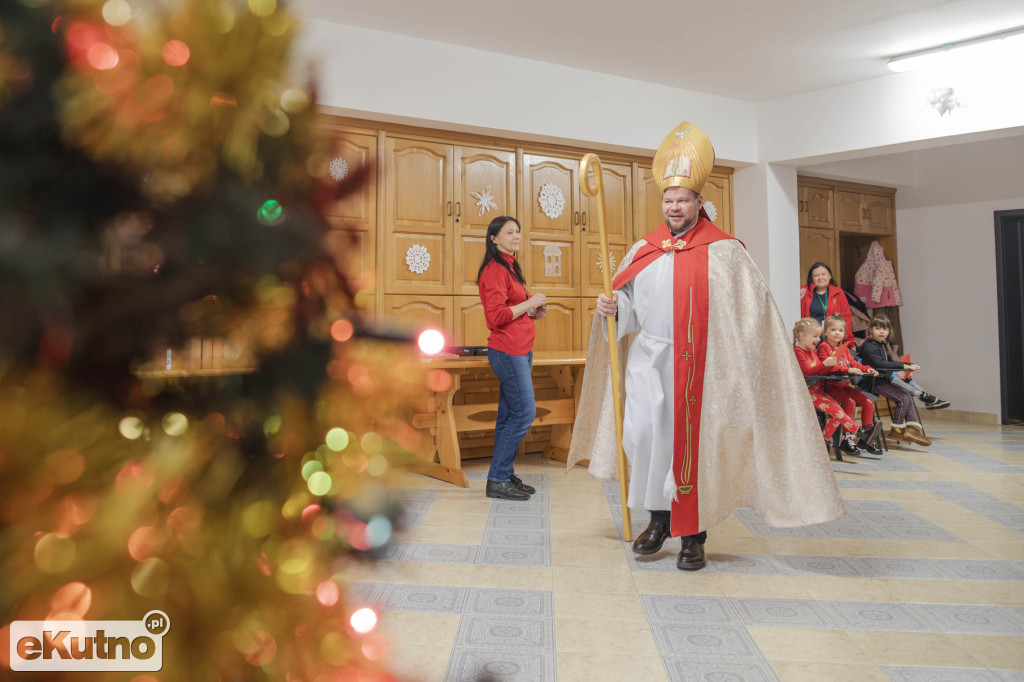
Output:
[[1006, 43]]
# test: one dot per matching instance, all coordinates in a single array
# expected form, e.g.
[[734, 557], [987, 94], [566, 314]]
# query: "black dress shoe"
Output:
[[506, 490], [847, 447], [518, 483], [868, 447], [691, 556], [653, 537]]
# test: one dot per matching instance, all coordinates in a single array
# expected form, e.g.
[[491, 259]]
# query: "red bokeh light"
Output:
[[176, 53]]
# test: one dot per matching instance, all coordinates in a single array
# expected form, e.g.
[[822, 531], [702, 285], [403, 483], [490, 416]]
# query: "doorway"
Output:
[[1010, 288]]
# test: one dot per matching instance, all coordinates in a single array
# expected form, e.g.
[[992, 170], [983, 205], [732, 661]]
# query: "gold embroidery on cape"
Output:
[[678, 246], [689, 400]]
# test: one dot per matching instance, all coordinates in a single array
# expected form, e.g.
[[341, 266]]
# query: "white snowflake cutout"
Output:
[[712, 210], [418, 259], [485, 200], [338, 169], [611, 261], [551, 200]]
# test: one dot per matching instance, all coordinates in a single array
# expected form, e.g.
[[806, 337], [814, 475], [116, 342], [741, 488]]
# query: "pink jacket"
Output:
[[875, 282]]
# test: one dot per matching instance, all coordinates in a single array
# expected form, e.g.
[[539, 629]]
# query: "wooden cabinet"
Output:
[[439, 199], [817, 246], [560, 328], [550, 216], [470, 323], [618, 218], [413, 314], [864, 213], [814, 206], [353, 240]]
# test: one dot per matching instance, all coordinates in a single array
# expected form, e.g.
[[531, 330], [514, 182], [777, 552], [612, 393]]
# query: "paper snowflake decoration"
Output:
[[611, 261], [418, 259], [944, 100], [485, 200], [338, 168], [712, 210], [552, 201]]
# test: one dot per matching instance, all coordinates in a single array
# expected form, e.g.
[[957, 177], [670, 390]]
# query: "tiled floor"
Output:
[[922, 580]]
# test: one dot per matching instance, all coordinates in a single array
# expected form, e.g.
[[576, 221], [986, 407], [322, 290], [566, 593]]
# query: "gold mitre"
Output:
[[684, 159]]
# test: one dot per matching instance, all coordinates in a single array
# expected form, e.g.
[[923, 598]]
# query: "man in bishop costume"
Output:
[[716, 412]]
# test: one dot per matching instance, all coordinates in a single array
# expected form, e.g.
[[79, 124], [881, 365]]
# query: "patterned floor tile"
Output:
[[504, 632], [438, 553], [874, 505], [530, 507], [531, 603], [364, 594], [701, 644], [496, 555], [899, 567], [787, 613], [500, 522], [474, 665], [970, 620], [670, 609], [922, 532], [982, 569], [746, 563], [913, 674], [683, 671], [518, 538], [845, 567], [424, 598], [876, 616]]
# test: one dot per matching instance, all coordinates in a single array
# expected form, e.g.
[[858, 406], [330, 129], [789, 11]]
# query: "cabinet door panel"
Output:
[[419, 186], [589, 305], [352, 250], [593, 267], [851, 212], [470, 323], [618, 206], [652, 214], [417, 263], [551, 244], [817, 245], [560, 328], [815, 207], [878, 214], [717, 195], [416, 313], [483, 177], [347, 154]]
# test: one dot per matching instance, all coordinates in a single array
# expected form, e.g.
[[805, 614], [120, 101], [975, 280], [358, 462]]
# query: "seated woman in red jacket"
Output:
[[849, 397], [510, 311], [806, 334], [821, 298]]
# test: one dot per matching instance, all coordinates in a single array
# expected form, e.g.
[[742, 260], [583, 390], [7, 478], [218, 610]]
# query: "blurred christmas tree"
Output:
[[158, 183]]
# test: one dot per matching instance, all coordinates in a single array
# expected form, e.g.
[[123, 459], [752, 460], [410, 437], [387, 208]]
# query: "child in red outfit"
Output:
[[845, 394], [806, 333]]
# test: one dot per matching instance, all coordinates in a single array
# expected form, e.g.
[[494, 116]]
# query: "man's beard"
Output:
[[682, 227]]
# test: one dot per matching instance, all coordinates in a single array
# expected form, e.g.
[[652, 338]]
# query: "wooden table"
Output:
[[452, 410]]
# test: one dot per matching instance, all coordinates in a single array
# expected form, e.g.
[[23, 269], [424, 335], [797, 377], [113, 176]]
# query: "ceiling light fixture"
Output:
[[993, 45]]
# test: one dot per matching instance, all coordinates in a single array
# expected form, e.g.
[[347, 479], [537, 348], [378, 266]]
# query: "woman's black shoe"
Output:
[[518, 483], [868, 447], [506, 490]]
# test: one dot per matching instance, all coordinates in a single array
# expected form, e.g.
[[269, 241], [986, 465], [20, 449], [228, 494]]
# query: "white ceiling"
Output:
[[752, 50]]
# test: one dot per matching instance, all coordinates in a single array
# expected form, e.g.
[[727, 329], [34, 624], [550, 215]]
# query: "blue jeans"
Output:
[[516, 409]]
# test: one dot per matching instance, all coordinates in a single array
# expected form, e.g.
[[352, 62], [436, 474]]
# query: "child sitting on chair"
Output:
[[876, 353], [806, 333], [846, 395]]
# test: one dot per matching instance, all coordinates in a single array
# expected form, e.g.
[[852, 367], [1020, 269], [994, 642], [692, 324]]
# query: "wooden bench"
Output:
[[454, 410]]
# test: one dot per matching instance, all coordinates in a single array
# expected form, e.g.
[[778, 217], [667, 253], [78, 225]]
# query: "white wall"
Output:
[[382, 75], [945, 201]]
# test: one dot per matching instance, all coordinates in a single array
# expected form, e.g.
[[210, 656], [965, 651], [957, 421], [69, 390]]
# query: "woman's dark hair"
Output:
[[831, 277], [492, 252]]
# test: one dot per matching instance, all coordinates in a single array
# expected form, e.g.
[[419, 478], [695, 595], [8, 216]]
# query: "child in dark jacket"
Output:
[[846, 395], [875, 353]]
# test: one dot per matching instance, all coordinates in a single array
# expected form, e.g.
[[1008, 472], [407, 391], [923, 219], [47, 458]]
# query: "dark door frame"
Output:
[[1004, 379]]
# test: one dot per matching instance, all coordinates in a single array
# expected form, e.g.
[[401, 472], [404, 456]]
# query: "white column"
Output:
[[764, 197]]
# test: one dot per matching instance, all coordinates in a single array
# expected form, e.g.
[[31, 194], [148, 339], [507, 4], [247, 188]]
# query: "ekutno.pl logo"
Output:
[[89, 645]]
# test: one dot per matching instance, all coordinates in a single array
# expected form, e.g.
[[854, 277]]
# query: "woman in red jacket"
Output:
[[820, 298], [845, 394], [510, 311]]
